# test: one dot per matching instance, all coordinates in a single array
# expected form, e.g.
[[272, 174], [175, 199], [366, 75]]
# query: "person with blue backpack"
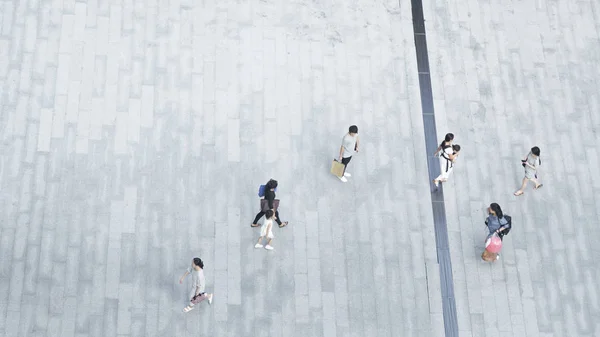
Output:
[[268, 202]]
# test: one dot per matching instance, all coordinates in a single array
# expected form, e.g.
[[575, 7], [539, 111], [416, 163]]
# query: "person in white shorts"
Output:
[[266, 231]]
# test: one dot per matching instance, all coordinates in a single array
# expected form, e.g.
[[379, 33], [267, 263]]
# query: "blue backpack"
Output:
[[261, 190]]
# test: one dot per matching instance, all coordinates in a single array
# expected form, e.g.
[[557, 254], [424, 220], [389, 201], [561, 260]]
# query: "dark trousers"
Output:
[[345, 161], [261, 213]]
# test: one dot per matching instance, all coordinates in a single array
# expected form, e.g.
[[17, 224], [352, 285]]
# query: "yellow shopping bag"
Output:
[[337, 168]]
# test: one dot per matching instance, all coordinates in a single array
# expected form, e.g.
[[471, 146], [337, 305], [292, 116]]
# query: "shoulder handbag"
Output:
[[264, 205], [198, 298], [508, 226]]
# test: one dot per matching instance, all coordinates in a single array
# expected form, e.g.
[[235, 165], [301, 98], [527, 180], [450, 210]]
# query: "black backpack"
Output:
[[508, 228]]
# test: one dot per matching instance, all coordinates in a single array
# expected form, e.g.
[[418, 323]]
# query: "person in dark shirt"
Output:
[[446, 143], [270, 197]]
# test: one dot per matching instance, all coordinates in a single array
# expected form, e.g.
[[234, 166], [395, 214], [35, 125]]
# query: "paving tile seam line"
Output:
[[433, 169]]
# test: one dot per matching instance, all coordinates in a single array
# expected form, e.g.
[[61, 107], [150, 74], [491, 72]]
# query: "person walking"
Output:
[[270, 197], [498, 225], [530, 163], [446, 143], [496, 222], [449, 156], [350, 144], [197, 293], [266, 231]]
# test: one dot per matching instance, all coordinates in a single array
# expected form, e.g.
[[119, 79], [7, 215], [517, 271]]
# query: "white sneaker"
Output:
[[346, 174], [343, 179], [258, 245], [268, 247], [498, 257], [210, 299]]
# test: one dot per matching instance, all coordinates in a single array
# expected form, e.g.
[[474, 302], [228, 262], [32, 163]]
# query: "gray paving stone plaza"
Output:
[[135, 135]]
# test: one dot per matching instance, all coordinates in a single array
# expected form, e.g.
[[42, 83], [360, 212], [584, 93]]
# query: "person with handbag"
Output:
[[530, 163], [197, 293], [449, 156], [498, 225], [268, 202], [266, 231], [349, 146]]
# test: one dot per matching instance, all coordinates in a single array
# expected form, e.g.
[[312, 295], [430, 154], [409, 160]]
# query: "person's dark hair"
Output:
[[272, 183], [353, 129], [496, 208], [198, 262], [449, 137], [269, 214], [456, 147], [535, 150]]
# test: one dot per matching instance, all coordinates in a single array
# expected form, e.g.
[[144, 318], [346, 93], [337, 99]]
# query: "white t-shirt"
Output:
[[348, 143], [198, 282], [265, 230]]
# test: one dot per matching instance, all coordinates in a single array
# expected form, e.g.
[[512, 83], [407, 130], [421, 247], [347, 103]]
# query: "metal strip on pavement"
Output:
[[433, 168]]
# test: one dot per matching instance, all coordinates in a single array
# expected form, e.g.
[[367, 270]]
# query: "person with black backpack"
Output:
[[497, 222], [498, 225]]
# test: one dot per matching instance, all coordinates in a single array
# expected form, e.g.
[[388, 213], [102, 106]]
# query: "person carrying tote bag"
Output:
[[269, 203]]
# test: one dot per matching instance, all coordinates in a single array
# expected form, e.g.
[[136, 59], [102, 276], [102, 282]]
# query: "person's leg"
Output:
[[190, 305], [279, 222], [277, 218], [536, 183], [441, 178], [523, 185], [258, 216], [446, 174], [345, 161], [268, 245], [258, 243]]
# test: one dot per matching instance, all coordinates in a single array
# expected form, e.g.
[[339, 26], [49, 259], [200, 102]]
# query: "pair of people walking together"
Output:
[[269, 208], [449, 152]]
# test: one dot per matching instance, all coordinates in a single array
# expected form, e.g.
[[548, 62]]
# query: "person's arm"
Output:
[[532, 166], [187, 272], [357, 143], [341, 151], [270, 196], [502, 227], [437, 150]]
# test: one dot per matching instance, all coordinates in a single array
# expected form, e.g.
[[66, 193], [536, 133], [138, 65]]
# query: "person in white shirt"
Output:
[[349, 146], [449, 156], [266, 231], [197, 293]]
